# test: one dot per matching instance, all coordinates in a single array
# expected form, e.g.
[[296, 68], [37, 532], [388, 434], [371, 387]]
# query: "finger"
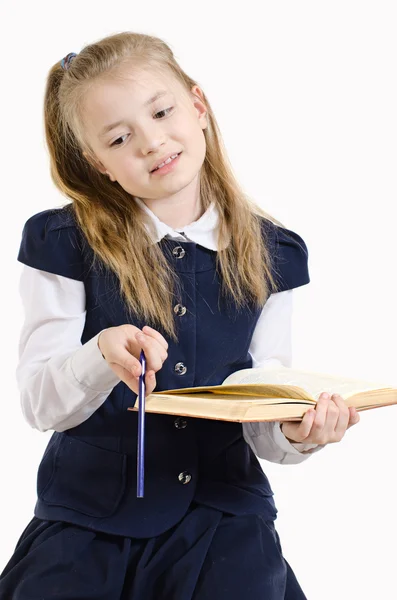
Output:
[[343, 417], [154, 341], [156, 335], [133, 382], [154, 353], [331, 421], [321, 415], [128, 378], [124, 360]]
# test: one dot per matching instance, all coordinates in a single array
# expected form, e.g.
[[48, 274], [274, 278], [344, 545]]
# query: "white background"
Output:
[[305, 96]]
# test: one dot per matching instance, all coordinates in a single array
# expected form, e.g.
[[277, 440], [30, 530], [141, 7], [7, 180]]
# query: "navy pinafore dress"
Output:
[[205, 529]]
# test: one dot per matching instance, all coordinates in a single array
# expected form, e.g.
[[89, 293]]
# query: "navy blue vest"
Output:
[[87, 475]]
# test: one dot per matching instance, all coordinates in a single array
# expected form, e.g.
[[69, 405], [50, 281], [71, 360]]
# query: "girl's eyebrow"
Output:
[[111, 126]]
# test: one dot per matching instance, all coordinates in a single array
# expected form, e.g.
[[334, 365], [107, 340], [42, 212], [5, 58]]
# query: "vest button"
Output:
[[179, 310], [184, 477], [180, 423], [180, 368], [179, 252]]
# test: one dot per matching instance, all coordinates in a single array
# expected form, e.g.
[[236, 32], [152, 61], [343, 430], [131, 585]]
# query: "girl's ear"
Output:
[[198, 102]]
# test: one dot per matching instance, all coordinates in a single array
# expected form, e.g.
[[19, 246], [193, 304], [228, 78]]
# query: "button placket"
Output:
[[179, 252], [180, 368]]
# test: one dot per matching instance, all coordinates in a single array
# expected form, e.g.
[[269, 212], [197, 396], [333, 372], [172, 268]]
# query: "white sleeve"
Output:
[[61, 381], [271, 345]]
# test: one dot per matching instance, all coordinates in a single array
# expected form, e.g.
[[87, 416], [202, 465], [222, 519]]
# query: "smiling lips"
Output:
[[168, 165], [167, 161]]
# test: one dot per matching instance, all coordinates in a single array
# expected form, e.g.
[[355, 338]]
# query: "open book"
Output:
[[267, 394]]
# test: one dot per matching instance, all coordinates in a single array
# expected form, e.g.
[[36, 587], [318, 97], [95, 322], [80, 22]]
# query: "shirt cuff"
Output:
[[90, 368], [291, 447]]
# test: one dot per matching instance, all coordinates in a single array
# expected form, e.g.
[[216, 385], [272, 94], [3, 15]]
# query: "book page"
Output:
[[226, 408], [313, 383]]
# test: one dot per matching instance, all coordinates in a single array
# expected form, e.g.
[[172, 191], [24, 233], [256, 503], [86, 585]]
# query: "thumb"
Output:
[[298, 432], [354, 417], [150, 382]]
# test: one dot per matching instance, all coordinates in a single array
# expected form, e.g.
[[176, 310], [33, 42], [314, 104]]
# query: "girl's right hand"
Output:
[[121, 348]]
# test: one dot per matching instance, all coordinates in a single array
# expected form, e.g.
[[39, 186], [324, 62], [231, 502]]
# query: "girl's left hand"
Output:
[[325, 424]]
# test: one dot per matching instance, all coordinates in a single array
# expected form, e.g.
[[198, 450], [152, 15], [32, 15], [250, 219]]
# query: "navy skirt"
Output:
[[208, 555]]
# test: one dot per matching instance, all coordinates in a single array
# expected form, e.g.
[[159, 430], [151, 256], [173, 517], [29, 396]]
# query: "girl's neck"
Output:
[[178, 210]]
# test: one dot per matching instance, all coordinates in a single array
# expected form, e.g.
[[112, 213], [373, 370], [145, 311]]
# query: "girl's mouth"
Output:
[[168, 167]]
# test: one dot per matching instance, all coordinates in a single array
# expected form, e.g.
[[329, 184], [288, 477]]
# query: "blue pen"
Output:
[[141, 429]]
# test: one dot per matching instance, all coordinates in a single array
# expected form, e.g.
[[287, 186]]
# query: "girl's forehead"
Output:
[[139, 83]]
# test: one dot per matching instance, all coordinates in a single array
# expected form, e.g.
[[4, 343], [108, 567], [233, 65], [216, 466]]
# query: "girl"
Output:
[[159, 250]]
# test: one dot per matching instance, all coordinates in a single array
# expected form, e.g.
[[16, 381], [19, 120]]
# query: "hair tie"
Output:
[[65, 62]]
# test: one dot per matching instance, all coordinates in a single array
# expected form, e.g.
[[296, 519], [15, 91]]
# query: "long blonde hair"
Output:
[[109, 217]]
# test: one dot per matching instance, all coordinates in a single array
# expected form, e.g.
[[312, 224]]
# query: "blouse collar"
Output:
[[204, 231]]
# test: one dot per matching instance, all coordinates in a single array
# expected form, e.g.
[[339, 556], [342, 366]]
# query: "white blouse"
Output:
[[63, 382]]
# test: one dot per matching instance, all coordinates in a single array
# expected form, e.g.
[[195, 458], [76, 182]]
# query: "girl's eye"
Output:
[[166, 110], [114, 143], [161, 112]]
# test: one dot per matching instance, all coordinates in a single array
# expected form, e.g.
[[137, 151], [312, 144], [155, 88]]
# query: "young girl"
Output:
[[159, 250]]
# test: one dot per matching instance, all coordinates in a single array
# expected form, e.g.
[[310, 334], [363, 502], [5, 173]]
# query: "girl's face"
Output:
[[130, 131]]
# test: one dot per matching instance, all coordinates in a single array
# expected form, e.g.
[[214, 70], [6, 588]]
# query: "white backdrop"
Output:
[[305, 95]]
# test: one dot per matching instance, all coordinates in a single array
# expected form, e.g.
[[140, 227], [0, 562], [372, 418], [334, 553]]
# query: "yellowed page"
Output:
[[226, 408], [249, 390]]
